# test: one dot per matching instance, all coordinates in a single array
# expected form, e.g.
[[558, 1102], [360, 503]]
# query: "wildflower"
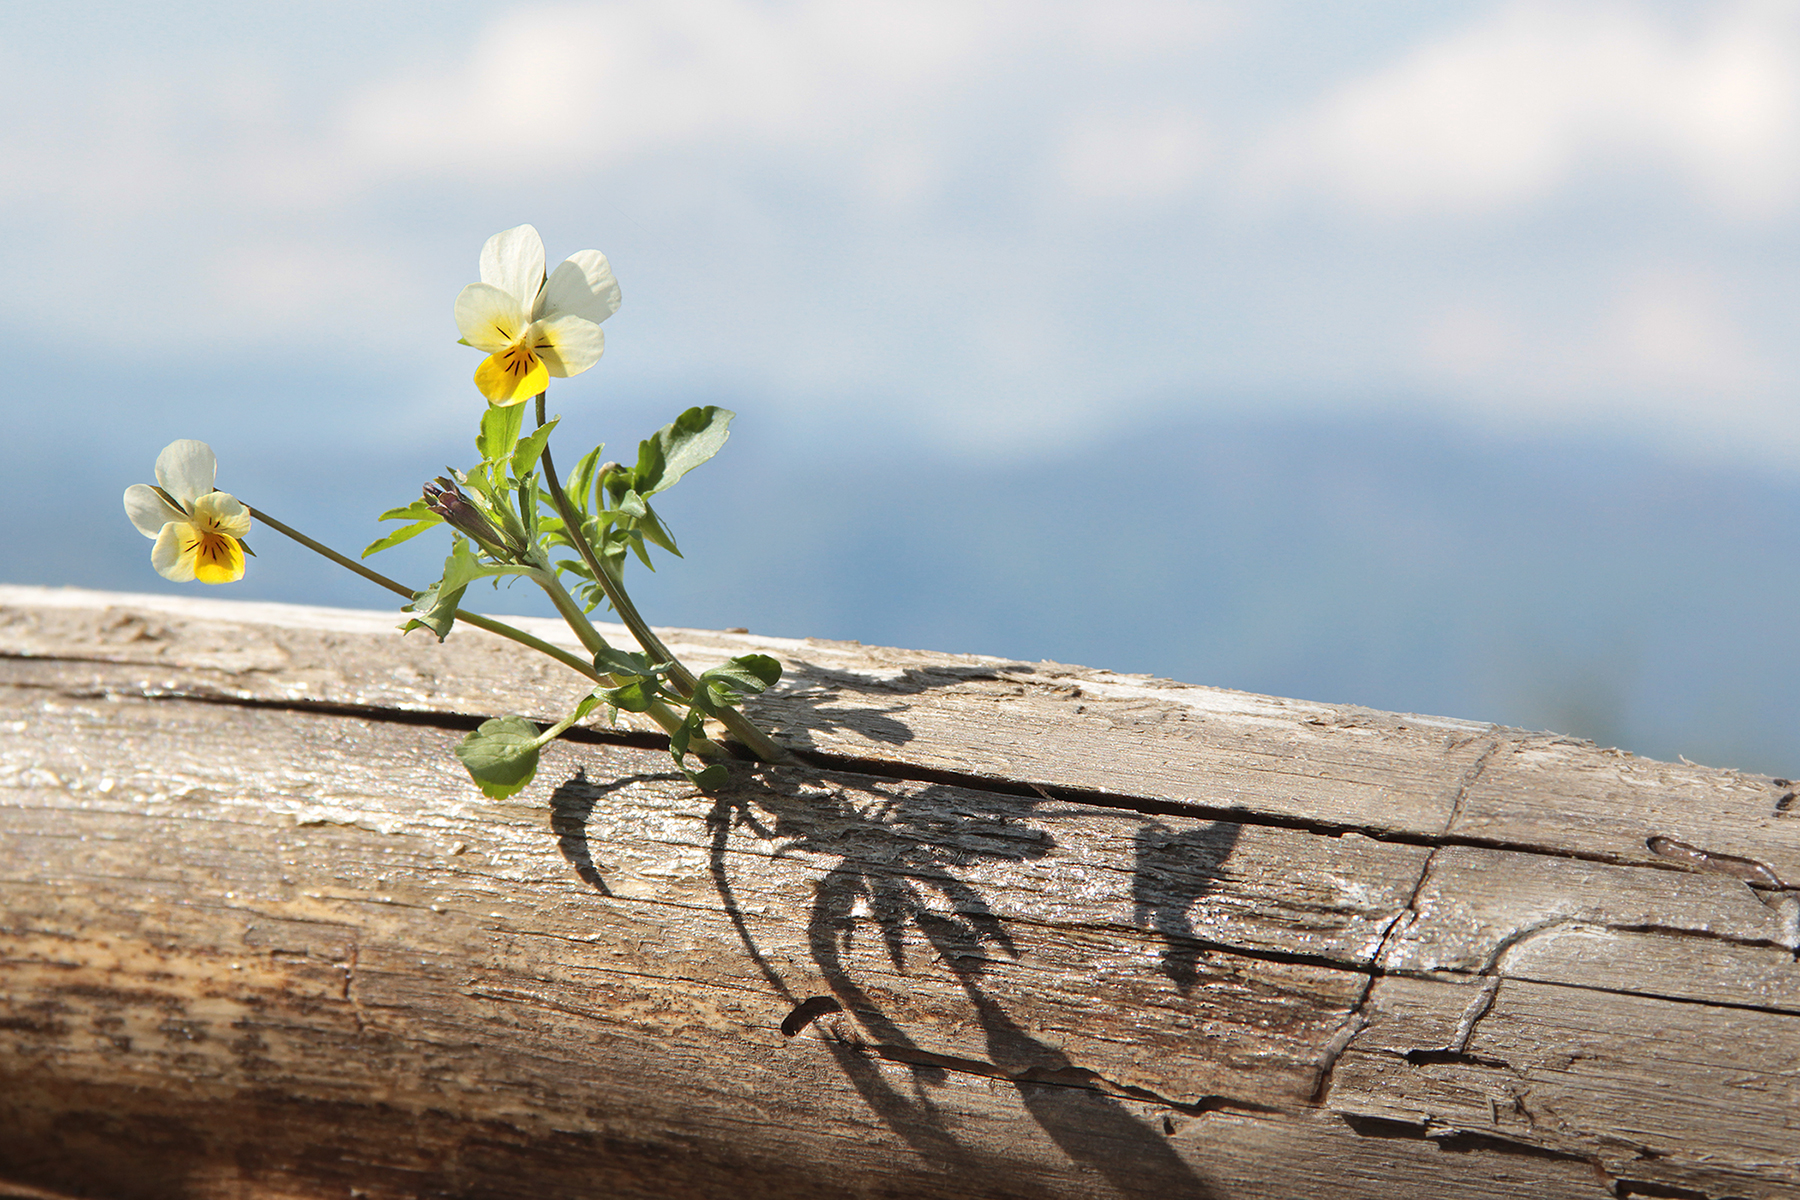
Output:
[[530, 326], [199, 531]]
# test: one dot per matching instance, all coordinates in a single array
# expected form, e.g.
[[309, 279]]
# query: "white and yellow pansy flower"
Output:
[[199, 532], [532, 326]]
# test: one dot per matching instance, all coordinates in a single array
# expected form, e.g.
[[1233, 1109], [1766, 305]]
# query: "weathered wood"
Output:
[[1064, 933]]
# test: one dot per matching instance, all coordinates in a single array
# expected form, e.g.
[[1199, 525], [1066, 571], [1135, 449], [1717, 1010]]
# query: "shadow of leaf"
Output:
[[897, 873], [1170, 871]]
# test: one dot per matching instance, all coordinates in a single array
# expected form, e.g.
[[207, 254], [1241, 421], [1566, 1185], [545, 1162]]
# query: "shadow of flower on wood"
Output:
[[571, 804], [1170, 872], [900, 877], [810, 699]]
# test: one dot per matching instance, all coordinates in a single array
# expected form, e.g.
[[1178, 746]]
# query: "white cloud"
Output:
[[578, 86], [1664, 352], [919, 201], [1133, 158], [1534, 95]]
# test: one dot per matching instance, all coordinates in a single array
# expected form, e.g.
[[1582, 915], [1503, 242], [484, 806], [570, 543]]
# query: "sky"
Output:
[[989, 237]]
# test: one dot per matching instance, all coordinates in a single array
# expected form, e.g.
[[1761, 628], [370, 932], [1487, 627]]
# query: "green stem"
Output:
[[741, 727], [661, 713], [573, 661]]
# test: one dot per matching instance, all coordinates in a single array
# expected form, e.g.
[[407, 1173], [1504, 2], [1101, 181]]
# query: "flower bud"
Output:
[[448, 502]]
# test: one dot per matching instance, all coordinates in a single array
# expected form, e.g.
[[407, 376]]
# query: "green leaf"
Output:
[[747, 673], [632, 505], [680, 446], [710, 777], [418, 510], [581, 480], [683, 734], [583, 708], [527, 499], [499, 431], [653, 528], [501, 756], [635, 696], [436, 609], [681, 738], [531, 447], [401, 535], [463, 568], [628, 663], [480, 479]]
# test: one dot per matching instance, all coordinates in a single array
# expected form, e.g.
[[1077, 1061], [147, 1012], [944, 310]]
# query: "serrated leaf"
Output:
[[435, 609], [501, 756], [680, 446], [499, 432], [531, 447], [401, 535]]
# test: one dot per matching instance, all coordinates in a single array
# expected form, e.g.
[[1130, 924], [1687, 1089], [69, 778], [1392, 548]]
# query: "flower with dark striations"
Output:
[[532, 326], [199, 531]]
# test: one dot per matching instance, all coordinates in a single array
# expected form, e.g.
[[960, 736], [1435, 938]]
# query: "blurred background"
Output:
[[1436, 357]]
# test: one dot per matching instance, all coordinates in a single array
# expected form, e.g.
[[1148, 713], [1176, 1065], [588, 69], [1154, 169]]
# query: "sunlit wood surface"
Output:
[[1021, 930]]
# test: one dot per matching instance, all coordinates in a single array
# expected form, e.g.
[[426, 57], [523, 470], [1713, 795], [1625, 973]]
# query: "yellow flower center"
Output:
[[218, 557], [511, 375]]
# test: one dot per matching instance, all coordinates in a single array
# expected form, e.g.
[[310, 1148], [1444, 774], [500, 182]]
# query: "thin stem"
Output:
[[741, 727], [661, 713], [573, 661]]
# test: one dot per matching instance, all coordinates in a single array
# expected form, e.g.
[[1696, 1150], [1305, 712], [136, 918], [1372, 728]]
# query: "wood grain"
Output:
[[1021, 930]]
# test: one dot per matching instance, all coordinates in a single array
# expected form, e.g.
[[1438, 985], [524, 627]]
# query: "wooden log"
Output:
[[1018, 929]]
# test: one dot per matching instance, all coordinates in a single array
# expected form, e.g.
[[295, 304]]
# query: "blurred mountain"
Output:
[[1593, 588]]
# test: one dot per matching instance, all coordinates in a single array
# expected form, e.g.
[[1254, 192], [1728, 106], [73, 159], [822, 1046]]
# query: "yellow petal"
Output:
[[217, 557], [513, 375]]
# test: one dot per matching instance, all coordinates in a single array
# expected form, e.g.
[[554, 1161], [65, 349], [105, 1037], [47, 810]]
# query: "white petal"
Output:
[[166, 555], [186, 469], [583, 285], [225, 512], [149, 511], [513, 261], [568, 344], [490, 318]]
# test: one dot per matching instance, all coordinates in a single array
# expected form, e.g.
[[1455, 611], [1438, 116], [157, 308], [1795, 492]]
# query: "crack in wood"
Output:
[[1358, 1020], [1455, 1141], [1468, 781], [1477, 1009], [890, 769]]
